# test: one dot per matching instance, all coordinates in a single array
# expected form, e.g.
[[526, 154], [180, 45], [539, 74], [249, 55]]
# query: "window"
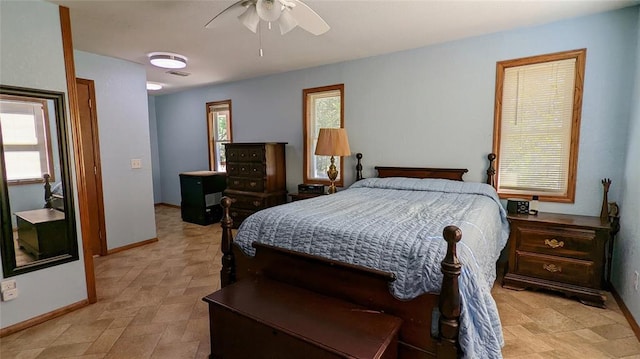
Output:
[[24, 123], [537, 125], [323, 107], [219, 132]]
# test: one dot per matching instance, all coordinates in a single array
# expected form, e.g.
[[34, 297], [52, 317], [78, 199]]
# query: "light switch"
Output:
[[136, 163]]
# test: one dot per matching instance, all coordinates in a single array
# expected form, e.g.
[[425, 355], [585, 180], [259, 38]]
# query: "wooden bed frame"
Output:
[[437, 314]]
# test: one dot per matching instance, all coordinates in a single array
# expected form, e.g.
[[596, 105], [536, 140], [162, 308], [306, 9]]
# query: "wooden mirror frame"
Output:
[[7, 249]]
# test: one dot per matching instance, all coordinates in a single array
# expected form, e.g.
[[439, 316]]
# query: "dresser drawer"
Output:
[[252, 203], [246, 169], [246, 184], [239, 215], [245, 153], [571, 271], [565, 242]]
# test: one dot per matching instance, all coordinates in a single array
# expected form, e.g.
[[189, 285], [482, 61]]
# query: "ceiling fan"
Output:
[[287, 13]]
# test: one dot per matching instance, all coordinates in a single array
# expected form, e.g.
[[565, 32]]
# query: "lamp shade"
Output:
[[333, 142]]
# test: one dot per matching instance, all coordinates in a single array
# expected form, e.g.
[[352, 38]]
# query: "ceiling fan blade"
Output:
[[241, 3], [286, 21], [308, 19], [250, 18]]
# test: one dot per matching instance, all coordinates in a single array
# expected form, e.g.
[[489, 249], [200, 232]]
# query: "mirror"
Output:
[[36, 204]]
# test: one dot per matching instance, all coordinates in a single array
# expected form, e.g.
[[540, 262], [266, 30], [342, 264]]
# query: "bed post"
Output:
[[449, 301], [47, 191], [228, 271], [491, 170], [359, 167]]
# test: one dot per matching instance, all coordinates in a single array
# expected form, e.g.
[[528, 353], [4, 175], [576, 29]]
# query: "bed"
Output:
[[387, 255]]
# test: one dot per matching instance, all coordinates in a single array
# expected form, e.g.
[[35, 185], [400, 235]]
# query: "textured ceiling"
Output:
[[227, 51]]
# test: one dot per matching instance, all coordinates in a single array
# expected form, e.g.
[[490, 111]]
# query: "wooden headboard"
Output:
[[420, 172], [423, 172]]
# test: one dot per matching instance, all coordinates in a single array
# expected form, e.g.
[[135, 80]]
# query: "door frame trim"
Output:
[[74, 117], [96, 160]]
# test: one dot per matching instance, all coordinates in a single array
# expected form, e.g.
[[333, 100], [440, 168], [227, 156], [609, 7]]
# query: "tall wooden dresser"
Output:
[[256, 177]]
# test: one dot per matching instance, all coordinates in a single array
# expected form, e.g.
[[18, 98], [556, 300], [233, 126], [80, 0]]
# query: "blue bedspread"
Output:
[[395, 225]]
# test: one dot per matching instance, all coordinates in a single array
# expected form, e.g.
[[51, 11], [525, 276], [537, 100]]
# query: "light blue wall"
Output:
[[431, 106], [627, 249], [155, 159], [23, 64], [123, 126]]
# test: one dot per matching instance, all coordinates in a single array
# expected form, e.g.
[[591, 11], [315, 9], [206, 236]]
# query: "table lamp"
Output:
[[332, 142]]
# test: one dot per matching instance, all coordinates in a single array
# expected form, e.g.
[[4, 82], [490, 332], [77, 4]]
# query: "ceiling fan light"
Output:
[[286, 21], [167, 60], [269, 10], [250, 18]]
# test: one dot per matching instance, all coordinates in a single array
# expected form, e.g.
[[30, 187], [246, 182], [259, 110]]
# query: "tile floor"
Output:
[[149, 306]]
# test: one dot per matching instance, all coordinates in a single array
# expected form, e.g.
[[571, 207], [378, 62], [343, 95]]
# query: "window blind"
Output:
[[537, 111]]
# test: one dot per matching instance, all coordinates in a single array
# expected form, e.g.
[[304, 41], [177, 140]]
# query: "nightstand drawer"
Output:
[[251, 153], [565, 242], [557, 269]]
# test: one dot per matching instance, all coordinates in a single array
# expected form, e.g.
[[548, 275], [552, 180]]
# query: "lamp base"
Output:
[[332, 173]]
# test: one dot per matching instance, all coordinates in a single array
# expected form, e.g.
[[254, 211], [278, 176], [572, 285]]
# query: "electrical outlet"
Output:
[[635, 280], [136, 163], [7, 285], [10, 294]]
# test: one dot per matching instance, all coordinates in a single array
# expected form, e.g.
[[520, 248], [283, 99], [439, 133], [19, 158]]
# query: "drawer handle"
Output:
[[257, 203], [253, 184], [236, 182], [553, 243], [552, 268]]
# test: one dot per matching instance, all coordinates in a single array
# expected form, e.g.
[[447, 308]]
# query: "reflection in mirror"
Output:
[[38, 224]]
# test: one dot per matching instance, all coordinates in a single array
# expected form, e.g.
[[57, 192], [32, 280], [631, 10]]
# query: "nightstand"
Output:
[[560, 252], [301, 196]]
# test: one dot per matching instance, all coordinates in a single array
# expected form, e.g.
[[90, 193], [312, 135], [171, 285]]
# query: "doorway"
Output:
[[91, 162]]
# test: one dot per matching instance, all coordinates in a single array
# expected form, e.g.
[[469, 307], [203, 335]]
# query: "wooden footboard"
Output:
[[420, 335]]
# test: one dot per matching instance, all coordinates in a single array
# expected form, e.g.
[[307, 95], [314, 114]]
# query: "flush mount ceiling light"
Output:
[[167, 60], [152, 86]]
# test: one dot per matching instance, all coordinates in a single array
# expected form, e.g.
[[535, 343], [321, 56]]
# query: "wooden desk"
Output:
[[42, 232]]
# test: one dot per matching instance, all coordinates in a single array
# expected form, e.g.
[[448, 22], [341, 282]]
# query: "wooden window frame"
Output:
[[44, 133], [308, 140], [211, 142], [580, 57]]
